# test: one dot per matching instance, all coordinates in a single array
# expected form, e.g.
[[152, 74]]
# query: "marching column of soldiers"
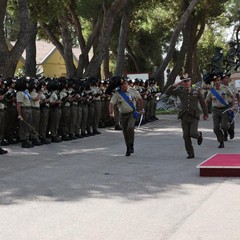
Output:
[[40, 111]]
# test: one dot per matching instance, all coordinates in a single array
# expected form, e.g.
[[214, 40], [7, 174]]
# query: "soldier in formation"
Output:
[[45, 110]]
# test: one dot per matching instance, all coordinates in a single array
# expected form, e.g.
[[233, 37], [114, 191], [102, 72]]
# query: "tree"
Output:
[[10, 57], [174, 39], [104, 40]]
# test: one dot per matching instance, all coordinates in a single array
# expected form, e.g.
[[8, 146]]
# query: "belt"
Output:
[[44, 107], [36, 108], [220, 108], [26, 107], [126, 114]]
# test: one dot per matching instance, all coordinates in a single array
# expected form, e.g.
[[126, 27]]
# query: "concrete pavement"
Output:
[[87, 189]]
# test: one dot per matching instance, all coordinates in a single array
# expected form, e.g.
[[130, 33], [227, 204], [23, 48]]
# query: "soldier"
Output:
[[97, 93], [44, 114], [24, 112], [126, 98], [189, 112], [219, 96], [226, 82], [55, 110], [35, 96], [64, 93], [11, 128], [2, 115]]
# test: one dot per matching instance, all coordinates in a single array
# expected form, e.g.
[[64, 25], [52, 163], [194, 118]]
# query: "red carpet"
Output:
[[221, 165]]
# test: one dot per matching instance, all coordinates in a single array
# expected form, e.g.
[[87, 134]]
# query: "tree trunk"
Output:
[[9, 58], [67, 49], [133, 58], [30, 63], [191, 65], [180, 61], [108, 22], [174, 38], [122, 42], [106, 71]]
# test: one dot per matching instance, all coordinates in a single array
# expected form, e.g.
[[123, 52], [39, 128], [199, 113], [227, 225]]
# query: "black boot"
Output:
[[128, 153], [45, 141], [95, 131], [131, 148], [2, 151], [27, 144], [221, 145], [190, 155]]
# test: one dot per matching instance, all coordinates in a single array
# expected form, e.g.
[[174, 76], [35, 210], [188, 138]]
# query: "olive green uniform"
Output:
[[189, 113]]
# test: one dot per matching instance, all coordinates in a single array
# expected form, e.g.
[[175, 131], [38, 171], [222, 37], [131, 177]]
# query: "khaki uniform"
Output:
[[44, 115], [54, 114], [126, 113], [23, 97], [220, 116], [35, 114]]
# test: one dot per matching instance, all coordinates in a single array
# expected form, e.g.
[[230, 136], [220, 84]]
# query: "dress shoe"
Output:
[[221, 145], [190, 156], [2, 151], [200, 138]]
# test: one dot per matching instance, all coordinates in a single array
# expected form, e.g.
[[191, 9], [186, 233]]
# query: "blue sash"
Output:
[[221, 100], [216, 94], [136, 114], [26, 94]]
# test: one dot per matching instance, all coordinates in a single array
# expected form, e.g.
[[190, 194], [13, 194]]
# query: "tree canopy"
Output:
[[125, 36]]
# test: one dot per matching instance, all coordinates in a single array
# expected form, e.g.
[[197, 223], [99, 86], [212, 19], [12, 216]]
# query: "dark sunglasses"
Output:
[[186, 81]]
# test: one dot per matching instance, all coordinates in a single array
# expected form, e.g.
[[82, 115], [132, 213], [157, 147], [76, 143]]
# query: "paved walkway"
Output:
[[88, 190]]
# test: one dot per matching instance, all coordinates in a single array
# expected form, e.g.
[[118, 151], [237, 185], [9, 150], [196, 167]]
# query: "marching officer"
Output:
[[219, 96], [126, 111], [189, 112]]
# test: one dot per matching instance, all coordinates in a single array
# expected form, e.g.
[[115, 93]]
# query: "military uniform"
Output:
[[54, 115], [25, 113], [126, 115], [65, 115], [2, 121], [11, 128], [44, 117], [219, 113], [35, 104], [189, 114]]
